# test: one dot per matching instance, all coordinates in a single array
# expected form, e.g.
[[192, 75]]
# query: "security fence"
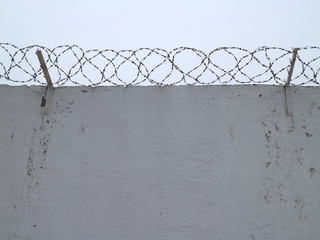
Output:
[[70, 65]]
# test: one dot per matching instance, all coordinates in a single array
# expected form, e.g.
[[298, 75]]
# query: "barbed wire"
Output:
[[71, 65]]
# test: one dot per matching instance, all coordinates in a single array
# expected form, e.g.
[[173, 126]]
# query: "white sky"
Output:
[[167, 24], [125, 24]]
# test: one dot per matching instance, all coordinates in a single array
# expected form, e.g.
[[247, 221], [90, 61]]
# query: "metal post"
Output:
[[292, 62], [44, 67]]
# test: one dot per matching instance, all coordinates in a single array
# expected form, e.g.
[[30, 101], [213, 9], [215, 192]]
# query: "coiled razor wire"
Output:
[[71, 65]]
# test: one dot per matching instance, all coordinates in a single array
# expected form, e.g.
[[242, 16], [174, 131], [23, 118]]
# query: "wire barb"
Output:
[[70, 65]]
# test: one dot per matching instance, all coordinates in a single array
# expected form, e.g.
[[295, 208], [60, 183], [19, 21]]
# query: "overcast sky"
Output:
[[128, 24], [167, 24]]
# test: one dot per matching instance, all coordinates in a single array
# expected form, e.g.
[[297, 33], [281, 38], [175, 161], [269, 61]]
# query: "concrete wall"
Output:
[[171, 163]]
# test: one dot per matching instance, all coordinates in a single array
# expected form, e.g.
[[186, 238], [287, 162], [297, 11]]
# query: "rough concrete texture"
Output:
[[167, 163]]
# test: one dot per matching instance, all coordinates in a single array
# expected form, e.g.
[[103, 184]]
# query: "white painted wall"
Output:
[[167, 163]]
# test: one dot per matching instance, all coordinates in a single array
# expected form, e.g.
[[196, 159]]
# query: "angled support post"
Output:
[[292, 62], [47, 98], [287, 91], [44, 68]]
